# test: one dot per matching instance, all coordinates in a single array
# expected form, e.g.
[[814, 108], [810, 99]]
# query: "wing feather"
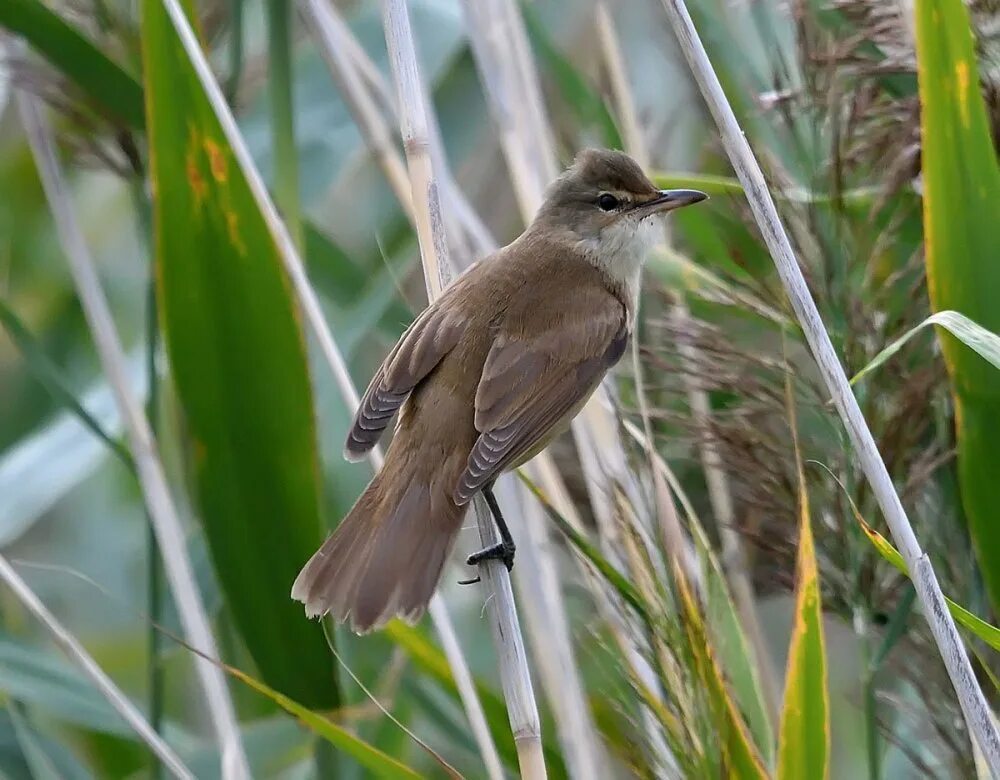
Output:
[[421, 347], [531, 382]]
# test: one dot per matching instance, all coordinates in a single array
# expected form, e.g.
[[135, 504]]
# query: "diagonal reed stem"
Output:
[[72, 647], [152, 480], [970, 696], [514, 673]]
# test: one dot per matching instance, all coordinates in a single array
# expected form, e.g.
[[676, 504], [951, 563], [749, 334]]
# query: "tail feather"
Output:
[[387, 554]]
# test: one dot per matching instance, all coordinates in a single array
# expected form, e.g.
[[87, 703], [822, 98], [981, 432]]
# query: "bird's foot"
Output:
[[502, 551]]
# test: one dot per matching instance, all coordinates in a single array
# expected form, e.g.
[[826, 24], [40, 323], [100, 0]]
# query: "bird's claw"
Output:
[[496, 552]]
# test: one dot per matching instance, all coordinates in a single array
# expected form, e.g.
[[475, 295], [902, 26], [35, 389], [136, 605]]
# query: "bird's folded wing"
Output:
[[531, 381], [431, 336]]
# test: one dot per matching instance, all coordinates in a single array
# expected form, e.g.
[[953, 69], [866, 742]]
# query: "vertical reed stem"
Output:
[[514, 674]]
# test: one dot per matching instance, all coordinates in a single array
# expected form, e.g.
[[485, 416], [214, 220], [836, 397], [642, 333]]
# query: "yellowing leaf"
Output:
[[804, 735]]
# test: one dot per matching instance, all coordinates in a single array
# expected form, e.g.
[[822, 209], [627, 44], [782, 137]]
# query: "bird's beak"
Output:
[[668, 200]]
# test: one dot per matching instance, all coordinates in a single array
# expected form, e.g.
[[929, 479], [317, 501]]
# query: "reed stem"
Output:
[[970, 695], [514, 673]]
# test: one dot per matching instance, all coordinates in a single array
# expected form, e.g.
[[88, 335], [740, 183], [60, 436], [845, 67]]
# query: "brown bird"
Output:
[[484, 378]]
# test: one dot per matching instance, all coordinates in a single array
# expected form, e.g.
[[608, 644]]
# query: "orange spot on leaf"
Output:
[[198, 185], [233, 226], [962, 77], [216, 160]]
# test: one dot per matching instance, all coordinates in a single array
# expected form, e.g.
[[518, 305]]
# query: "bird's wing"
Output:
[[431, 336], [531, 381]]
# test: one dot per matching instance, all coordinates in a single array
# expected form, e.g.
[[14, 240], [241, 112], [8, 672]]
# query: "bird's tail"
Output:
[[386, 556]]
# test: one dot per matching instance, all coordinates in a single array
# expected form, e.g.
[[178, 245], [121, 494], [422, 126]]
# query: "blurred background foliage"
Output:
[[828, 93]]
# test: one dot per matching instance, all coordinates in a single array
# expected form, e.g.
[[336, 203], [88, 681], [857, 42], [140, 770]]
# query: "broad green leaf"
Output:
[[961, 202], [974, 336], [92, 70], [239, 364]]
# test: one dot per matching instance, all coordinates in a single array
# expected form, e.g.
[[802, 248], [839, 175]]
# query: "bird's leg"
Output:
[[502, 551]]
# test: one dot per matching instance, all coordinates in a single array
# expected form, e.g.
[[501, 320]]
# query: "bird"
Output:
[[482, 380]]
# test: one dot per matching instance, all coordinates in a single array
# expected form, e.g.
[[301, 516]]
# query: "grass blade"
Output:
[[102, 79], [368, 756], [990, 634], [804, 736], [239, 362], [973, 335], [72, 647], [50, 377]]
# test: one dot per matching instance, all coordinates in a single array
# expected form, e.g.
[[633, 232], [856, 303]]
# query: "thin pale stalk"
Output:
[[350, 68], [514, 673], [330, 33], [734, 557], [286, 158], [507, 70], [551, 642], [72, 647], [307, 299], [152, 480], [970, 695], [538, 576]]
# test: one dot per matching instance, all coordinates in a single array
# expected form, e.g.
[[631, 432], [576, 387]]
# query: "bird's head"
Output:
[[605, 206]]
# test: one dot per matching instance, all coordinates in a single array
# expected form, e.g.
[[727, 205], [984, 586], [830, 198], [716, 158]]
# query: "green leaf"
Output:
[[988, 633], [239, 364], [50, 684], [604, 567], [961, 203], [735, 654], [106, 82], [974, 336], [804, 734], [742, 759], [50, 377], [370, 757]]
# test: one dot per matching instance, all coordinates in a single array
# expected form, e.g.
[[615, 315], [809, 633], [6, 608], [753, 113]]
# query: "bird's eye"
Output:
[[607, 202]]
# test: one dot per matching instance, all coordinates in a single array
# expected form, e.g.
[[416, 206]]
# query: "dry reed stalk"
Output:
[[152, 479], [514, 673], [949, 643], [734, 557], [545, 611], [116, 698], [351, 67], [496, 30], [329, 30], [309, 302]]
